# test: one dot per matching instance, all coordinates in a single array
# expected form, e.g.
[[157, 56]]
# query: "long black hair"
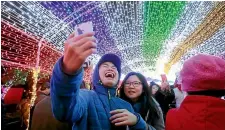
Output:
[[146, 99], [152, 84]]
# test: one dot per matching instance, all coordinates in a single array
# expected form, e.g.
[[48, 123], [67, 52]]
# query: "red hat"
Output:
[[203, 72], [13, 96]]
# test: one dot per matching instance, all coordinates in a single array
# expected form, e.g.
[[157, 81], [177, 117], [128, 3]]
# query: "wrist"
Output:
[[67, 70], [137, 118], [140, 124]]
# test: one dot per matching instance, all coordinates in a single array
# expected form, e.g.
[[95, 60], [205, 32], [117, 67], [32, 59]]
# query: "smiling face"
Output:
[[133, 88], [108, 74]]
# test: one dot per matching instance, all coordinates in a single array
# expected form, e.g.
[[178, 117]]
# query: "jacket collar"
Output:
[[104, 90]]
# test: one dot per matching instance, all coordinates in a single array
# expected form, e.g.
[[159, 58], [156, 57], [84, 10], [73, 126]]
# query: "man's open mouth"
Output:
[[109, 75]]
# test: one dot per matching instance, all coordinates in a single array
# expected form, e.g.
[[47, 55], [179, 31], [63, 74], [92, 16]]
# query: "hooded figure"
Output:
[[90, 109], [203, 78]]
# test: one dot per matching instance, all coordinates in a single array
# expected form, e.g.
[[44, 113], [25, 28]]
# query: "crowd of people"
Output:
[[194, 102]]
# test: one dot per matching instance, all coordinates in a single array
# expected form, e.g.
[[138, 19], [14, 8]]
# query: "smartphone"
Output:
[[83, 28], [164, 78]]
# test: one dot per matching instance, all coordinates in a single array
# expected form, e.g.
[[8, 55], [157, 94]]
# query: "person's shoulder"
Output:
[[172, 112], [157, 104], [172, 120]]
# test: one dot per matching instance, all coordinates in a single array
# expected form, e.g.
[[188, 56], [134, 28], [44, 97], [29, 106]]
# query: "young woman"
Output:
[[136, 91], [154, 87]]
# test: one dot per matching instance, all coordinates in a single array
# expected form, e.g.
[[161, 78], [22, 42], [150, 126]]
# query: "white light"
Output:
[[122, 77]]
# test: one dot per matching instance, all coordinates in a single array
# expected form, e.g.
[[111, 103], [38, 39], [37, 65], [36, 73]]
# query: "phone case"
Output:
[[164, 78], [83, 28]]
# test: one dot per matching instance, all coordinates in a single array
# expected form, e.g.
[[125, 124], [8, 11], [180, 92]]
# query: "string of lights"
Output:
[[20, 49], [211, 24], [124, 20], [193, 14], [143, 34]]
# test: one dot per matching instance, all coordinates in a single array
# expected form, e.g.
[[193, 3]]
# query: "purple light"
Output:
[[90, 12]]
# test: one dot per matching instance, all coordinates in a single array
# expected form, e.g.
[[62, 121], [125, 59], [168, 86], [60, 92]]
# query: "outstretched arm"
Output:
[[68, 102]]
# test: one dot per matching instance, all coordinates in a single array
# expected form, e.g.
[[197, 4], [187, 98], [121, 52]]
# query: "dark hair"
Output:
[[152, 84], [146, 99]]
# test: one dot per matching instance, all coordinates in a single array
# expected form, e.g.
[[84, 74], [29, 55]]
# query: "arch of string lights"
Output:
[[143, 34]]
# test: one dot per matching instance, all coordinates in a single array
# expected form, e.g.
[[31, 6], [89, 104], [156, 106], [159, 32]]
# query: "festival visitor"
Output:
[[203, 79], [90, 109], [136, 91]]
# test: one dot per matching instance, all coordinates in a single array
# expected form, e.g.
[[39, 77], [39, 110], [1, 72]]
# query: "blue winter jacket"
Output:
[[86, 109]]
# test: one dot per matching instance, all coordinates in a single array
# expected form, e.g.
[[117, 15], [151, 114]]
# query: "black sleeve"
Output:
[[165, 99]]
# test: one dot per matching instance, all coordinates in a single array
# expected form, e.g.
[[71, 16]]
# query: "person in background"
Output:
[[42, 116], [179, 94], [95, 109], [154, 87], [135, 90], [164, 96], [43, 109], [203, 79]]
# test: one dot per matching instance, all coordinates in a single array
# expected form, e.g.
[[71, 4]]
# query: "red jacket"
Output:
[[197, 113]]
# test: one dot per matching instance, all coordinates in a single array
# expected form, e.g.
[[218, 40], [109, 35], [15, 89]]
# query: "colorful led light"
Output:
[[143, 34]]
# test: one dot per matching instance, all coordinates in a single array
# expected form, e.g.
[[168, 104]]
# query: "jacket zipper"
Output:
[[109, 95], [109, 98], [110, 107]]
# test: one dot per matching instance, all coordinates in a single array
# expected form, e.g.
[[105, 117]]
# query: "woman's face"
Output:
[[154, 89], [133, 88]]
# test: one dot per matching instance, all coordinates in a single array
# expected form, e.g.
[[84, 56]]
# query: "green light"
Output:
[[159, 19]]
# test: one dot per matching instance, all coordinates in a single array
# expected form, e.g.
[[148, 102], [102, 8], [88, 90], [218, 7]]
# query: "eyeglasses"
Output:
[[135, 84]]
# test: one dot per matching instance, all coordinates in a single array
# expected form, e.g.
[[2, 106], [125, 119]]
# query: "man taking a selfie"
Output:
[[95, 109]]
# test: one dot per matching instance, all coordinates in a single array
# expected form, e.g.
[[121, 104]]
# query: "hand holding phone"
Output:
[[78, 46], [164, 78], [164, 84]]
